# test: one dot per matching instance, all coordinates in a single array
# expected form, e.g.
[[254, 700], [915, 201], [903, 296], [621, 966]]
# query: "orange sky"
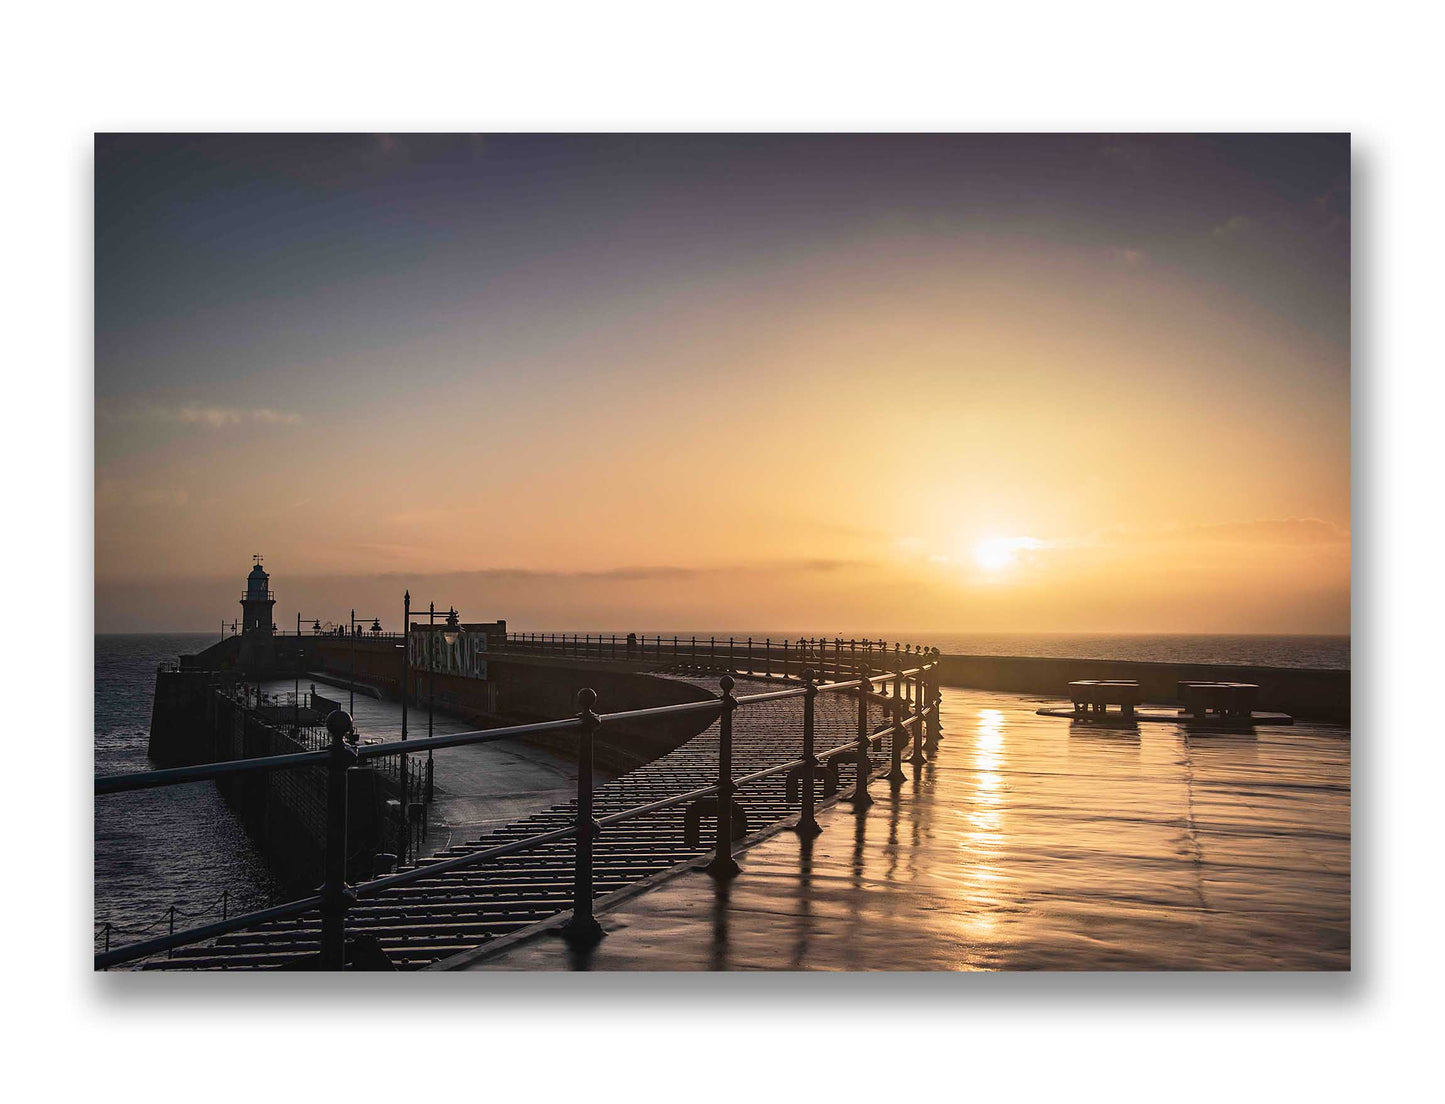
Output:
[[1128, 414]]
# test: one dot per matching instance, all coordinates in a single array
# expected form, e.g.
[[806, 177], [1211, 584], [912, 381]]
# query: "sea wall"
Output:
[[1309, 694], [180, 730], [539, 688], [194, 721], [285, 811], [521, 689]]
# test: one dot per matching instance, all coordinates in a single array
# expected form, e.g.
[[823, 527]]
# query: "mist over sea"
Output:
[[182, 845]]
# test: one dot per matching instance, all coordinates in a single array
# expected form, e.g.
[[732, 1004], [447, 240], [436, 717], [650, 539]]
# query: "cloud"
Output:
[[635, 574], [1263, 531], [207, 414], [275, 417], [1129, 258], [1233, 227]]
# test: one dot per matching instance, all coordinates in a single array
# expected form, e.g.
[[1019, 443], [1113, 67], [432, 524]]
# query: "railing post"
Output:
[[861, 798], [920, 730], [583, 929], [807, 821], [336, 897], [935, 700], [722, 865], [896, 775]]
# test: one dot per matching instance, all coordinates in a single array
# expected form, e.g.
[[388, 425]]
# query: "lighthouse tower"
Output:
[[258, 647], [257, 602]]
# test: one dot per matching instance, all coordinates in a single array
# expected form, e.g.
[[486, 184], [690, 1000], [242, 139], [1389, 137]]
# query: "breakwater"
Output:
[[1317, 695], [199, 717], [522, 689]]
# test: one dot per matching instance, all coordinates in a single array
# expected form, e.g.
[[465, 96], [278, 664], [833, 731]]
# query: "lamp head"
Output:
[[453, 631]]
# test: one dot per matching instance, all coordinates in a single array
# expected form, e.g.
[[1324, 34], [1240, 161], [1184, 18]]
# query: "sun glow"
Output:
[[997, 553]]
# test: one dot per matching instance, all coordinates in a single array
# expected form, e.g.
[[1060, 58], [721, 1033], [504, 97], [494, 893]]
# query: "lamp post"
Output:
[[405, 659], [300, 655], [376, 627], [296, 694], [451, 631]]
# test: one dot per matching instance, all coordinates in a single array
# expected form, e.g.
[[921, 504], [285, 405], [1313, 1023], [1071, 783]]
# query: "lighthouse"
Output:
[[258, 648], [257, 601]]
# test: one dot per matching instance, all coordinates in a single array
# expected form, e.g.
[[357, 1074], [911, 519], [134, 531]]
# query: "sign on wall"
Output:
[[466, 656]]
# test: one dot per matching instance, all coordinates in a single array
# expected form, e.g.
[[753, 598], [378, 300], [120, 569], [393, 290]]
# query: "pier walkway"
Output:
[[1027, 842], [419, 924]]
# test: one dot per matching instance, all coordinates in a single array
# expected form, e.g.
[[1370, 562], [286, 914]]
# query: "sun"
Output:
[[997, 553]]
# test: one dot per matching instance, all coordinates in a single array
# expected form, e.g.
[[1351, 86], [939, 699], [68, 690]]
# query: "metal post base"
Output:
[[808, 829], [582, 931], [723, 868]]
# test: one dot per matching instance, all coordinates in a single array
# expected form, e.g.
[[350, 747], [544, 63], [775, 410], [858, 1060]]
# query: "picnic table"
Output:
[[1229, 700], [1094, 696]]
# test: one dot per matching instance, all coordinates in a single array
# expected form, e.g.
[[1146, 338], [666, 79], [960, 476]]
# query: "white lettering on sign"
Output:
[[465, 655]]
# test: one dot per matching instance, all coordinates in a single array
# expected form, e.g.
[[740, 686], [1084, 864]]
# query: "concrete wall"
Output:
[[520, 689], [378, 662], [539, 689], [1308, 694], [283, 811]]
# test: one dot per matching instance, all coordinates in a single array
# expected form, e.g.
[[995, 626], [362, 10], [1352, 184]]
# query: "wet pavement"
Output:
[[1029, 843]]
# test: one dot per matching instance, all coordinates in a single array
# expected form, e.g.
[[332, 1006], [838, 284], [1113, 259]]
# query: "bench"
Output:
[[1094, 696], [1231, 700]]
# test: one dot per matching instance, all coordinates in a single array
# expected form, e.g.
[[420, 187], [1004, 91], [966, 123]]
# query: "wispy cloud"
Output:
[[650, 573], [1259, 531], [1233, 227], [1288, 530], [207, 414]]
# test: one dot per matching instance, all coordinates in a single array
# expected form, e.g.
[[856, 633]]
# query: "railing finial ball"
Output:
[[587, 698], [865, 670], [809, 674], [338, 723], [727, 682]]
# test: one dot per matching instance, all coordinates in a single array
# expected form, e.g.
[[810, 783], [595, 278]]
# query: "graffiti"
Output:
[[466, 655]]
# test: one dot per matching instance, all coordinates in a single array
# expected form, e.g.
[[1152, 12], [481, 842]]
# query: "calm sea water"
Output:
[[178, 845], [1332, 652], [182, 845]]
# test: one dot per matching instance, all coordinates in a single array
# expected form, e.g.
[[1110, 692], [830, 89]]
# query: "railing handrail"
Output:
[[585, 722]]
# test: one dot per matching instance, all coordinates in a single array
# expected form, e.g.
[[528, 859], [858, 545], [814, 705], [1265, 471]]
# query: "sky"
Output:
[[834, 383]]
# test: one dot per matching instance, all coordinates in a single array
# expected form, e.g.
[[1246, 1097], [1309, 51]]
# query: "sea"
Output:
[[182, 847], [1251, 650]]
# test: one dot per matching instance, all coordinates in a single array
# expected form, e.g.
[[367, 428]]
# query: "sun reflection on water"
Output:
[[982, 844]]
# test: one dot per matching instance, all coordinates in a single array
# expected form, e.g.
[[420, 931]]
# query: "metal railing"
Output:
[[745, 655], [912, 707]]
